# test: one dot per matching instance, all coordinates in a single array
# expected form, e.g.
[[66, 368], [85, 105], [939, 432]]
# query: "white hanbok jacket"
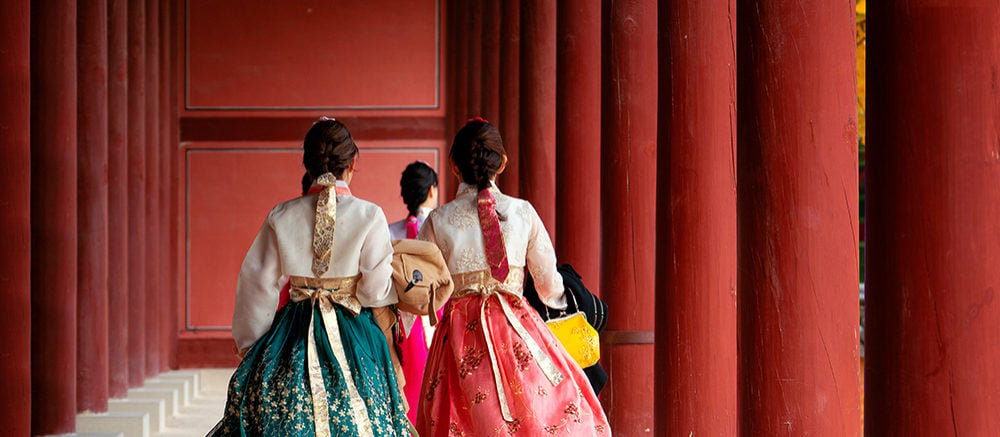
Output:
[[283, 248]]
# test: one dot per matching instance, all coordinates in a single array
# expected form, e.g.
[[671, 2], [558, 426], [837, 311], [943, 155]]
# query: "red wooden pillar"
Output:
[[154, 249], [933, 168], [92, 192], [176, 290], [474, 67], [797, 219], [53, 216], [696, 217], [136, 193], [163, 185], [490, 108], [578, 137], [118, 211], [461, 86], [537, 182], [15, 215], [628, 204], [510, 92]]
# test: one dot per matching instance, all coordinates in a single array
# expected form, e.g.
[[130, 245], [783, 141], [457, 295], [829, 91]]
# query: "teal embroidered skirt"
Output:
[[270, 394]]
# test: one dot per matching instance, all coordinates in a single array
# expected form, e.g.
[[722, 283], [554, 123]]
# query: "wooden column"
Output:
[[461, 87], [15, 215], [474, 65], [696, 219], [797, 221], [92, 191], [933, 168], [490, 108], [510, 92], [166, 149], [118, 211], [53, 216], [537, 154], [578, 138], [628, 216], [154, 250], [137, 193], [175, 180]]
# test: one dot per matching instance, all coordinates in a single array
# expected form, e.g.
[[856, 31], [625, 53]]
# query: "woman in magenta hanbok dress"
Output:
[[494, 366], [418, 186]]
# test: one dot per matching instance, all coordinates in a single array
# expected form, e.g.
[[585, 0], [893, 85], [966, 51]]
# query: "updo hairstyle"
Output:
[[328, 148], [478, 152], [415, 184]]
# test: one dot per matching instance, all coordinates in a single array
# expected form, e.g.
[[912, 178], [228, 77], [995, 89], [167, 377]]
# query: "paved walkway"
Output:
[[205, 410]]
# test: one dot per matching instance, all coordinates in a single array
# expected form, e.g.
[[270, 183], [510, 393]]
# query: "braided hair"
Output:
[[328, 148], [478, 152]]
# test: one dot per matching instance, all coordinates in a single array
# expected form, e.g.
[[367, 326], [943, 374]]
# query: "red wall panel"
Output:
[[311, 54], [230, 187]]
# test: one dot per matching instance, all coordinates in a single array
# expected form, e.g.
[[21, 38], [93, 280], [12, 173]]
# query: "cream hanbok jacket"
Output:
[[283, 248], [455, 229]]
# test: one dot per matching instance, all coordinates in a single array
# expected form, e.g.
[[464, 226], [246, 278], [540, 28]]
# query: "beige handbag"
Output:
[[420, 277]]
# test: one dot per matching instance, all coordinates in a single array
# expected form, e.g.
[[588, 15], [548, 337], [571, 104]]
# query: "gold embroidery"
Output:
[[326, 220], [471, 259], [464, 216], [470, 361], [513, 425], [325, 298], [523, 357], [480, 397]]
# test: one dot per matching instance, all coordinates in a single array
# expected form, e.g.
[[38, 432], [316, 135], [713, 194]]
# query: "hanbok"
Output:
[[494, 367], [320, 366], [413, 350]]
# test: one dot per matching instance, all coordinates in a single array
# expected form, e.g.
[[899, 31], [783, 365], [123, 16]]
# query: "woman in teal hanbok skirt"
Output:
[[320, 366]]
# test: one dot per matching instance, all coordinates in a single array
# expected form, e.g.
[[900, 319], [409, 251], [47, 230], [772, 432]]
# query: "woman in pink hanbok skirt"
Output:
[[418, 187], [494, 368]]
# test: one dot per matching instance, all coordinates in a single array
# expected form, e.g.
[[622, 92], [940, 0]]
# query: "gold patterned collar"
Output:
[[464, 188]]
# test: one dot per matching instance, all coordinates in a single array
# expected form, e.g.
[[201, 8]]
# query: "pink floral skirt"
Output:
[[459, 393]]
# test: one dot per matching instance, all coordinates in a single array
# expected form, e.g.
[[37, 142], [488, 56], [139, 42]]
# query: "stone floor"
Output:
[[205, 408]]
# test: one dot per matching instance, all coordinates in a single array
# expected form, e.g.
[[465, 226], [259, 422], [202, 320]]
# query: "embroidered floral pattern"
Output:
[[480, 397], [522, 356], [470, 260], [513, 426], [470, 361], [464, 216]]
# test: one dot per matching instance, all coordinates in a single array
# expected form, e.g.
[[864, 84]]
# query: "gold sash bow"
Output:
[[326, 293], [483, 283]]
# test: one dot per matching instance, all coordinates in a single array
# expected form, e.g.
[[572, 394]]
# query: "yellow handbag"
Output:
[[577, 336]]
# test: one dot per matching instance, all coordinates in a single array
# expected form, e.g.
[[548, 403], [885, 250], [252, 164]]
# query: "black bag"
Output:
[[593, 308]]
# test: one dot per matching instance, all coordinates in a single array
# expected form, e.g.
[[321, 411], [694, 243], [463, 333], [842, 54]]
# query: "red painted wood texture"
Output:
[[628, 203], [312, 54], [53, 216], [510, 93], [696, 220], [137, 193], [268, 173], [92, 166], [474, 68], [933, 172], [168, 330], [154, 249], [249, 103], [491, 61], [15, 215], [578, 138], [797, 224], [118, 212], [537, 125]]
